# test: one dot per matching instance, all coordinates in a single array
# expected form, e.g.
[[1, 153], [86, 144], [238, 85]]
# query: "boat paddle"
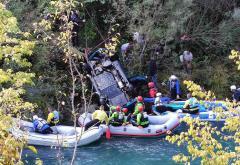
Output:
[[108, 133]]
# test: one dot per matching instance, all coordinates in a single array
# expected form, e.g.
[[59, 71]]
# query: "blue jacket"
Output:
[[236, 95], [40, 125], [175, 85]]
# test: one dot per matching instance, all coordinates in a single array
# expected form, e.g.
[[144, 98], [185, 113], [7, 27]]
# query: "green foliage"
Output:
[[89, 32]]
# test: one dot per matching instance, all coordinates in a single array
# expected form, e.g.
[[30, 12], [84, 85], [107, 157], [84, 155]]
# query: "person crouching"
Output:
[[41, 126], [98, 117], [53, 117]]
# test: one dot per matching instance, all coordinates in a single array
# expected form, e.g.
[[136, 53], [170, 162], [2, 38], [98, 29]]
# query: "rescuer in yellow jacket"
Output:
[[98, 117], [53, 117]]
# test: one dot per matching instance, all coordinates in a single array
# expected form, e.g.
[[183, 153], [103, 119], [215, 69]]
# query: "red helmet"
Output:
[[151, 85], [118, 108], [140, 99], [140, 108], [125, 110]]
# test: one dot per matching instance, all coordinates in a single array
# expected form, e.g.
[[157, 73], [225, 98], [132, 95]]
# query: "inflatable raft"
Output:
[[64, 136], [204, 116], [205, 112], [159, 125]]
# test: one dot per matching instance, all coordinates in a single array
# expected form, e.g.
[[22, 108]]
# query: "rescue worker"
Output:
[[117, 118], [140, 120], [152, 90], [41, 126], [159, 107], [174, 87], [157, 100], [191, 105], [139, 103], [236, 93], [114, 109], [53, 117], [74, 17], [127, 119], [186, 60], [98, 117], [126, 50]]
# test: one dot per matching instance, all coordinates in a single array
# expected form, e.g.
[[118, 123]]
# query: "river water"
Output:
[[116, 151]]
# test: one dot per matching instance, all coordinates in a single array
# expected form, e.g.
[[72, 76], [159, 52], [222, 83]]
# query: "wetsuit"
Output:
[[140, 120]]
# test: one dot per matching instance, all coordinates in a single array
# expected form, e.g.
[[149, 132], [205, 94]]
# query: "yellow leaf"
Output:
[[33, 149]]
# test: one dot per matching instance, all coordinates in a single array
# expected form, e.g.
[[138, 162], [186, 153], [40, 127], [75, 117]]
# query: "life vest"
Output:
[[118, 118], [41, 125], [136, 107], [143, 120], [55, 118]]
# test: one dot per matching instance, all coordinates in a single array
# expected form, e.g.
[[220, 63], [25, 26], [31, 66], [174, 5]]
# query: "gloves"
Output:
[[163, 84]]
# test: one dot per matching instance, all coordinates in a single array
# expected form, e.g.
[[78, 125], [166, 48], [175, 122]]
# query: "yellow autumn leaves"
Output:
[[14, 75], [198, 91], [112, 43], [235, 56], [204, 141]]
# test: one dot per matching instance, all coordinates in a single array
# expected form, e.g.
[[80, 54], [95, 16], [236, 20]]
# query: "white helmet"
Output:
[[233, 87], [189, 95], [173, 77], [185, 52], [35, 117], [159, 94]]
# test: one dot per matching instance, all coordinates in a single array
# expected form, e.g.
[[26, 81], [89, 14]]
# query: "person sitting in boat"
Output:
[[138, 104], [41, 126], [157, 100], [114, 109], [152, 90], [191, 105], [141, 121], [128, 116], [53, 117], [117, 117], [236, 93], [159, 105], [98, 117]]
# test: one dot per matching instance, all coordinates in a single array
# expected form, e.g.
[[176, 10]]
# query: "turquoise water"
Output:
[[116, 151]]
